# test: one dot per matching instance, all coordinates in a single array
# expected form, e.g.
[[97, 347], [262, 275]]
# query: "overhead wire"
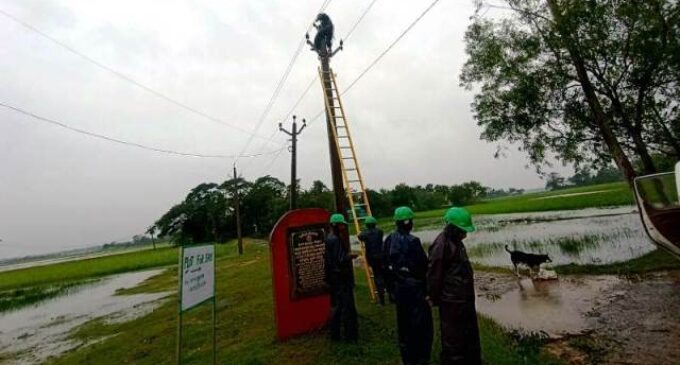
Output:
[[124, 142], [361, 17], [127, 78], [313, 80], [382, 54], [281, 83]]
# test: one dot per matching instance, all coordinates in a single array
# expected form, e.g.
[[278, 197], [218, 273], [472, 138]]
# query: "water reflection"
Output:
[[583, 237], [34, 333], [556, 307]]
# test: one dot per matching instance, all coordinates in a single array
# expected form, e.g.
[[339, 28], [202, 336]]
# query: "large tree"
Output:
[[586, 80]]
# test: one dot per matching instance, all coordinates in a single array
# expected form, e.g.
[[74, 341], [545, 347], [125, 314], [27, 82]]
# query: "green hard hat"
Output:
[[370, 220], [338, 218], [460, 218], [403, 213]]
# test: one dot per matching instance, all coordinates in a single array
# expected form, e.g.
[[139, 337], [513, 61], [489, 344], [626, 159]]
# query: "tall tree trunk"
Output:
[[635, 133], [601, 119], [672, 141]]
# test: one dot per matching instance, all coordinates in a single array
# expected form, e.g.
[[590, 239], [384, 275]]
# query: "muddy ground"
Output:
[[592, 319]]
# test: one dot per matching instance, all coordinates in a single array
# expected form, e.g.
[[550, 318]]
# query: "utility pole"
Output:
[[325, 55], [293, 163], [237, 208]]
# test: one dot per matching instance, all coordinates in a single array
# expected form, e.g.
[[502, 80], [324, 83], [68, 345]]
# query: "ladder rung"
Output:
[[348, 158], [352, 169], [345, 147], [353, 181], [343, 137]]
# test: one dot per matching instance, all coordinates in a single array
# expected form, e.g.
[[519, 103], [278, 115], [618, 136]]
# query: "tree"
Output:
[[587, 81], [201, 217], [554, 182], [263, 204], [318, 196]]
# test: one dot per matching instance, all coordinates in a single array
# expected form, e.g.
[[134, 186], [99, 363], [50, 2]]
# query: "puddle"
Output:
[[587, 236], [556, 307], [34, 333]]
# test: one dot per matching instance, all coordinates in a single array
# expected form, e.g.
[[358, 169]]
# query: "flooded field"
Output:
[[588, 236], [32, 334]]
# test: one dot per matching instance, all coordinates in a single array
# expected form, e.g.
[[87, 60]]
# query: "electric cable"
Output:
[[127, 78], [281, 83], [381, 55], [124, 142]]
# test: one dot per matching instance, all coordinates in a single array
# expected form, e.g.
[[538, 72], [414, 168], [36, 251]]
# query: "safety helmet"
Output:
[[370, 220], [403, 214], [460, 218], [338, 218]]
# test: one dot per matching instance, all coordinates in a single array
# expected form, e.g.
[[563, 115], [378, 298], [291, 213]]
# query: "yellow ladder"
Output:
[[351, 173]]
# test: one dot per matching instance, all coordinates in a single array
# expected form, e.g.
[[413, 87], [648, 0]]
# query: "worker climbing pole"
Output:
[[348, 183]]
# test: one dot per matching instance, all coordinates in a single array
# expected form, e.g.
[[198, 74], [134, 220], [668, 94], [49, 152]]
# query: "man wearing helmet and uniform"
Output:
[[451, 287], [340, 278], [372, 237], [407, 268]]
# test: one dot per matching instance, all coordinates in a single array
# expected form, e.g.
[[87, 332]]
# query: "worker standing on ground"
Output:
[[450, 284], [340, 278], [372, 237], [407, 267]]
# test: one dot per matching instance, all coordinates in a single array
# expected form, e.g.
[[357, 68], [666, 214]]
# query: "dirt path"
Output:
[[643, 321], [592, 319]]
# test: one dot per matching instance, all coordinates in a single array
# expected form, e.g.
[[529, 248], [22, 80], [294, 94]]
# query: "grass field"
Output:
[[22, 287], [656, 260], [595, 196], [245, 329]]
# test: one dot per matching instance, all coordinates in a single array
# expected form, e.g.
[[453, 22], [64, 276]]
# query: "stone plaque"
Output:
[[307, 252]]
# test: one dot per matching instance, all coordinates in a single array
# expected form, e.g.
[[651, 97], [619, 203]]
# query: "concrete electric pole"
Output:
[[237, 209], [293, 163], [325, 53]]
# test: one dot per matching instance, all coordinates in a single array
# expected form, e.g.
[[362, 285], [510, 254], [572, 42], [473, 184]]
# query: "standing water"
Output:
[[32, 334], [588, 236]]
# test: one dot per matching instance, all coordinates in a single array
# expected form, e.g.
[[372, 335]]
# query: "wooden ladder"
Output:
[[351, 173]]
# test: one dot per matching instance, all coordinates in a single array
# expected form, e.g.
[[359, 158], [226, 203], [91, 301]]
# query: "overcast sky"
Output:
[[410, 118]]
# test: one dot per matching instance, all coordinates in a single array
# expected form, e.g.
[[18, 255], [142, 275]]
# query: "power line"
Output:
[[311, 82], [368, 8], [125, 77], [280, 84], [381, 55], [427, 10], [123, 142]]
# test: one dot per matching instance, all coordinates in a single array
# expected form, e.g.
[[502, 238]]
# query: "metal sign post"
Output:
[[196, 286]]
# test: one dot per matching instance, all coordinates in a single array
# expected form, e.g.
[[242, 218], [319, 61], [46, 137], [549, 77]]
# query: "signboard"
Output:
[[198, 276], [196, 286], [307, 250], [301, 300]]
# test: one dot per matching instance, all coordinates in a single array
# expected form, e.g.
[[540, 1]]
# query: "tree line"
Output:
[[207, 212]]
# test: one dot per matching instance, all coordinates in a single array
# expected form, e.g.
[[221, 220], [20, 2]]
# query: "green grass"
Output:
[[245, 329], [611, 195], [656, 260], [22, 287], [93, 267]]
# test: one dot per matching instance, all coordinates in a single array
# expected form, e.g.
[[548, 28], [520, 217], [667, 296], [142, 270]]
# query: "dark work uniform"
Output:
[[373, 240], [340, 278], [407, 267], [451, 287]]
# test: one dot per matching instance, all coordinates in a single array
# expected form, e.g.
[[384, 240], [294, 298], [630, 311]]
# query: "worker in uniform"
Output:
[[407, 268], [340, 278], [450, 284], [372, 237]]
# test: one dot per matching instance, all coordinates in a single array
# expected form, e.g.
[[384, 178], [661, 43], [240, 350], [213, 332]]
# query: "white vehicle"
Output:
[[659, 204]]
